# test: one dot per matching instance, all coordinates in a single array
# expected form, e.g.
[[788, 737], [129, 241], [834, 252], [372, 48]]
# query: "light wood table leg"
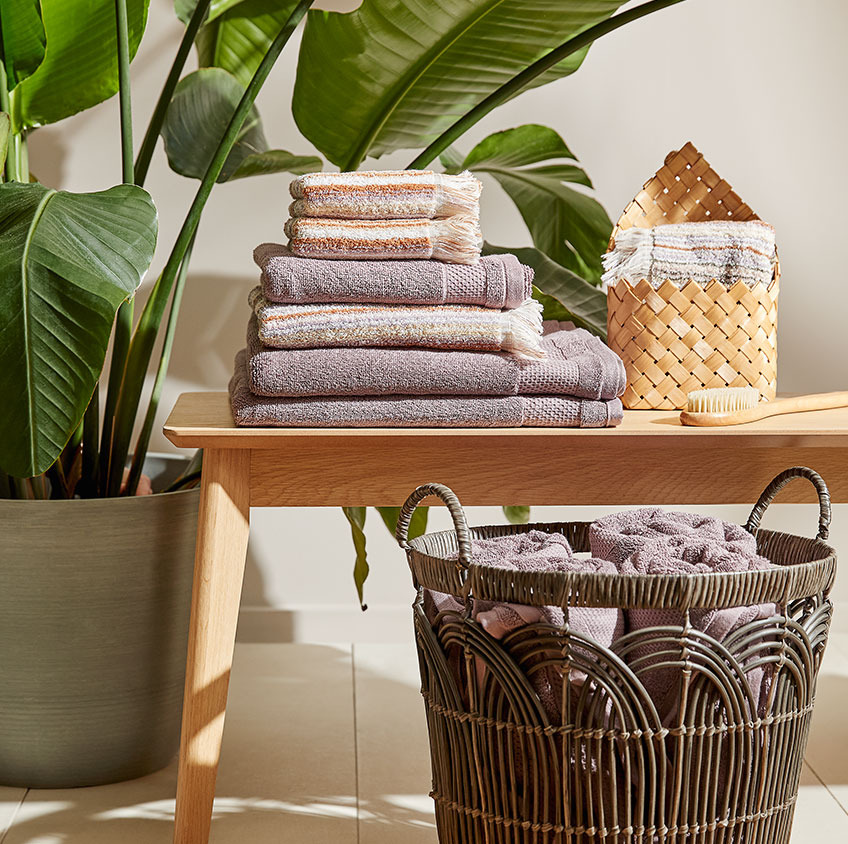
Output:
[[222, 530]]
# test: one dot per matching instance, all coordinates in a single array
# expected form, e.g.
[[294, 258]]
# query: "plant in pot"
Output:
[[95, 579]]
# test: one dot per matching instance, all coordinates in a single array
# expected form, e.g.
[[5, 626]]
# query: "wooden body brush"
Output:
[[737, 405]]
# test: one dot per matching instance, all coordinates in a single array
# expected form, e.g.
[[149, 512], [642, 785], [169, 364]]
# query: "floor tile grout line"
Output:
[[355, 738], [821, 781], [14, 817]]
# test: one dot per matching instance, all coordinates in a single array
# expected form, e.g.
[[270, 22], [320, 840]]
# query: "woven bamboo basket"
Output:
[[606, 769], [673, 340]]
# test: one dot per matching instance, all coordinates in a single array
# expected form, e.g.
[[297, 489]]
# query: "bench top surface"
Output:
[[204, 420]]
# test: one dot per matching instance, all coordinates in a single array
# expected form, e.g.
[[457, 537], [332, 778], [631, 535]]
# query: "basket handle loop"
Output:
[[753, 523], [463, 536]]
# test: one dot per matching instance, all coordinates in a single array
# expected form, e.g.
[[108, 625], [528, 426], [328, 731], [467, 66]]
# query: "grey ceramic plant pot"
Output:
[[94, 607]]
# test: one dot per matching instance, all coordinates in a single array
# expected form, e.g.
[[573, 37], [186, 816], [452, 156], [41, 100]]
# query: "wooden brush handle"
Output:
[[796, 404]]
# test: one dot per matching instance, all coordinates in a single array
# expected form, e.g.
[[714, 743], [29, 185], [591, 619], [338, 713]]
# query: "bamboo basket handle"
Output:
[[753, 523], [463, 536]]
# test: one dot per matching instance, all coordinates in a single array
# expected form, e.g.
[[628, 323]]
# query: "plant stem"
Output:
[[90, 479], [6, 106], [143, 440], [148, 144], [522, 80], [141, 347], [124, 91]]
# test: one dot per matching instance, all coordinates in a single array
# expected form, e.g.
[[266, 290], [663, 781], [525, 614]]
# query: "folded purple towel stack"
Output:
[[406, 342]]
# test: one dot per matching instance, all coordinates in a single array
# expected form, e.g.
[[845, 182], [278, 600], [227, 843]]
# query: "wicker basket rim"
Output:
[[717, 590]]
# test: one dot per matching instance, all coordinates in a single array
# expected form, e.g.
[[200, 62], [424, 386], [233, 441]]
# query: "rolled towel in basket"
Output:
[[518, 330], [384, 194], [725, 250], [416, 411], [455, 239], [495, 281], [576, 363], [656, 541]]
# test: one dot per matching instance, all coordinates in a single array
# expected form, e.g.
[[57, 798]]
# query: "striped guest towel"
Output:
[[726, 251], [518, 330], [455, 239], [385, 195]]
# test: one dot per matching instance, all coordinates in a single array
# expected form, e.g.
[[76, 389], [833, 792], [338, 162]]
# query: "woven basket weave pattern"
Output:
[[673, 341]]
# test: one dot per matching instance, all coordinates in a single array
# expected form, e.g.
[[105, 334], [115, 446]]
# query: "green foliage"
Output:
[[393, 75], [5, 124], [184, 8], [67, 262], [566, 224], [356, 519], [22, 39], [196, 120], [80, 67], [518, 514], [417, 525]]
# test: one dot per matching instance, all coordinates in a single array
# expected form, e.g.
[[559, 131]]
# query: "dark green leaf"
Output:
[[417, 526], [518, 514], [185, 8], [356, 519], [80, 67], [22, 39], [67, 261], [236, 38], [197, 117], [393, 75], [4, 138], [567, 225], [564, 295]]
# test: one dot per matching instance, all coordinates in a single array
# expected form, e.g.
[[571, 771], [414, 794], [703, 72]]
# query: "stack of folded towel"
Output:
[[381, 312]]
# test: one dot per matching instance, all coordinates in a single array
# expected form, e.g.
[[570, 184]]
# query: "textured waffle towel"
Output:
[[384, 195], [496, 281], [415, 411], [681, 252], [456, 239], [576, 363], [655, 541], [518, 330]]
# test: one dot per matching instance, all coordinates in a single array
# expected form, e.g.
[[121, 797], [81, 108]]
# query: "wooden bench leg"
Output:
[[222, 530]]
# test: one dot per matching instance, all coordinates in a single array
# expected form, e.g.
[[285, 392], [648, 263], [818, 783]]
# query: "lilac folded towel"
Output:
[[576, 364], [416, 411], [656, 541], [534, 551], [496, 281]]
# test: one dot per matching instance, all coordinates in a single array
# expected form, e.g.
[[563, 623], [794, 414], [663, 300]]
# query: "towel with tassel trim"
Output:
[[385, 195], [518, 330], [416, 411], [726, 251], [456, 239]]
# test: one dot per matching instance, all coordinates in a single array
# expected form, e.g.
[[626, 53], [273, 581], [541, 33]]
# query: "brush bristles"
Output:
[[723, 400]]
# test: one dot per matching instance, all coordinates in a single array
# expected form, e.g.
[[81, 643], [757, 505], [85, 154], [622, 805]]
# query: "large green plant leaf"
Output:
[[238, 37], [567, 225], [67, 261], [197, 117], [5, 124], [80, 67], [393, 75], [564, 295], [356, 518], [185, 8], [22, 39]]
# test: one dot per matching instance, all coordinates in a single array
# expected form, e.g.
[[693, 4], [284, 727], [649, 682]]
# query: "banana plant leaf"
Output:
[[356, 519], [393, 75], [563, 294], [517, 514], [80, 67], [197, 117], [22, 39], [184, 8], [236, 38], [5, 124], [566, 224], [67, 261], [417, 525]]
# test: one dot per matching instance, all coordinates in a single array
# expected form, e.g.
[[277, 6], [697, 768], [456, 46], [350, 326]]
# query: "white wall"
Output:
[[757, 86]]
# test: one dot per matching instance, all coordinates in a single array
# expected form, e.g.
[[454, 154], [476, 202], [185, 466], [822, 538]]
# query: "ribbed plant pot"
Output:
[[94, 607]]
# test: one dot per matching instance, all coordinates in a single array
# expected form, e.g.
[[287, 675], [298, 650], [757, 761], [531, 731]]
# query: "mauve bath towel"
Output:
[[416, 411], [576, 363], [495, 281]]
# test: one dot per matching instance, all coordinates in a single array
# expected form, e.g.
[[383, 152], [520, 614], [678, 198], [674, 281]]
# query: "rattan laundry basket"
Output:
[[672, 340], [606, 769]]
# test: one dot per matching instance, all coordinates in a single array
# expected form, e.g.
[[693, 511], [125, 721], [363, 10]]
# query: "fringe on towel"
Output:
[[632, 258], [524, 330]]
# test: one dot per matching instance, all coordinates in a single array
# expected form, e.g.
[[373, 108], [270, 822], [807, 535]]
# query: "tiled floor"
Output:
[[327, 744]]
